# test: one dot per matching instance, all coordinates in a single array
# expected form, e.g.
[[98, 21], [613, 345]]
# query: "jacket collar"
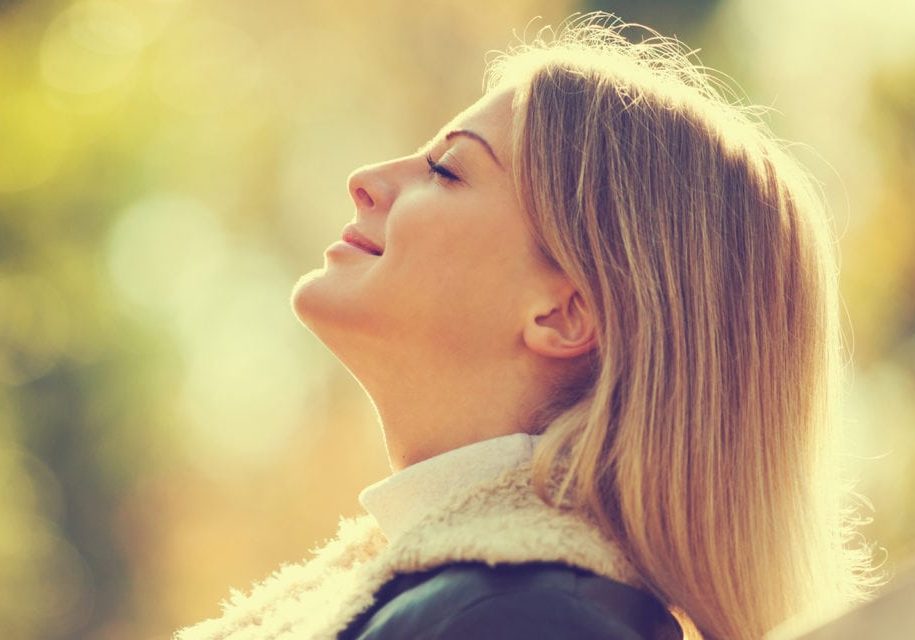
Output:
[[499, 521]]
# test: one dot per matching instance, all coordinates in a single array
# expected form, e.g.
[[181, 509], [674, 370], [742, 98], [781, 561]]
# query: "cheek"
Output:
[[425, 261], [459, 271], [447, 250], [466, 260]]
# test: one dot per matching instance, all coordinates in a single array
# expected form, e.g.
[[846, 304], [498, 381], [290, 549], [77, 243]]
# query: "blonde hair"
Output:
[[702, 434]]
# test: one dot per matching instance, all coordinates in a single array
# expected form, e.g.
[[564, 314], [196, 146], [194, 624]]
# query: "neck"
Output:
[[424, 414]]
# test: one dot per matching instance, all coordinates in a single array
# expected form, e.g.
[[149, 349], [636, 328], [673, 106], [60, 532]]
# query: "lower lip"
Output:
[[341, 245]]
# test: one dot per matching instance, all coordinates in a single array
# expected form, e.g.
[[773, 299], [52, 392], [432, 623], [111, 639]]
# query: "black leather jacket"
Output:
[[531, 601]]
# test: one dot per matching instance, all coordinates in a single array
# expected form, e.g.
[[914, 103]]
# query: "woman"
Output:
[[598, 317]]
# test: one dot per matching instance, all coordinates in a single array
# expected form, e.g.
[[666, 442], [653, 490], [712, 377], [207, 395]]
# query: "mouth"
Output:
[[355, 238]]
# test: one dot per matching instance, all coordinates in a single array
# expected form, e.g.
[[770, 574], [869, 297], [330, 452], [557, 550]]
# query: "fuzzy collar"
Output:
[[498, 521]]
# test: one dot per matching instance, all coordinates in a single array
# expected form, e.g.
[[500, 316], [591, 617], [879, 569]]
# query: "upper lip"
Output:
[[353, 236]]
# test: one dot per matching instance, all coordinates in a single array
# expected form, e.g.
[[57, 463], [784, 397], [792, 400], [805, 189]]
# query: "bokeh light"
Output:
[[35, 139]]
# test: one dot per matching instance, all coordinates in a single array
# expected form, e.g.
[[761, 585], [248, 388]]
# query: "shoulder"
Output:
[[530, 600]]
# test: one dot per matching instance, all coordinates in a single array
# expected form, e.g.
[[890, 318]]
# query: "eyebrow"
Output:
[[475, 136]]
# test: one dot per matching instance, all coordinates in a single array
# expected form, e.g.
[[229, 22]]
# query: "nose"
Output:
[[370, 188]]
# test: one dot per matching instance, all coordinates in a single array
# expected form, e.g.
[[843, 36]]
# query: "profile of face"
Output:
[[456, 288]]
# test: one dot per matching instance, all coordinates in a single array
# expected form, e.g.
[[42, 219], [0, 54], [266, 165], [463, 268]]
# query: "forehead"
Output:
[[490, 117]]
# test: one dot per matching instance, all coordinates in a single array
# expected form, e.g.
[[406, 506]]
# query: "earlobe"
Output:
[[564, 331]]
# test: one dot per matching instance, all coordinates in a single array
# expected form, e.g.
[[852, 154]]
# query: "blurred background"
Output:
[[168, 170]]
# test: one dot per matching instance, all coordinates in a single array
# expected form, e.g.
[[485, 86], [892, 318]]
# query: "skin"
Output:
[[456, 328]]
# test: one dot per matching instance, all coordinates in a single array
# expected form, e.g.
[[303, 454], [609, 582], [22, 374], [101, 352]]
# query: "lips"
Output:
[[353, 236]]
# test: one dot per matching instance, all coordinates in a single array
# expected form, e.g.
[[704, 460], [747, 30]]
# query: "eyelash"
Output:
[[437, 169]]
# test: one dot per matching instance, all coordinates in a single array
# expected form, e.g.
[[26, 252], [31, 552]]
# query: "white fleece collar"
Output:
[[400, 500], [502, 520]]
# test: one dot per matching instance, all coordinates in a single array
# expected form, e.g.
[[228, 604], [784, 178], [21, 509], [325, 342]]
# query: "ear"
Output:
[[562, 327]]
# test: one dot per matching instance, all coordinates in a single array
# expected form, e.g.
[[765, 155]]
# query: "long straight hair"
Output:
[[702, 435]]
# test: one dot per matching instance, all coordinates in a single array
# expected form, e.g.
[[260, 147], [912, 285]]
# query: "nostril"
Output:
[[363, 197]]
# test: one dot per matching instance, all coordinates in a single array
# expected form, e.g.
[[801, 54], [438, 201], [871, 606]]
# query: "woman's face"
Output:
[[457, 264]]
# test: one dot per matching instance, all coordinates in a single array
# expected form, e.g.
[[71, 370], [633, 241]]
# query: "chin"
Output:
[[328, 306], [303, 294], [337, 316]]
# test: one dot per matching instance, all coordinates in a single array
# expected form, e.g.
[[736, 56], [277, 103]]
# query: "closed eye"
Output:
[[440, 170]]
